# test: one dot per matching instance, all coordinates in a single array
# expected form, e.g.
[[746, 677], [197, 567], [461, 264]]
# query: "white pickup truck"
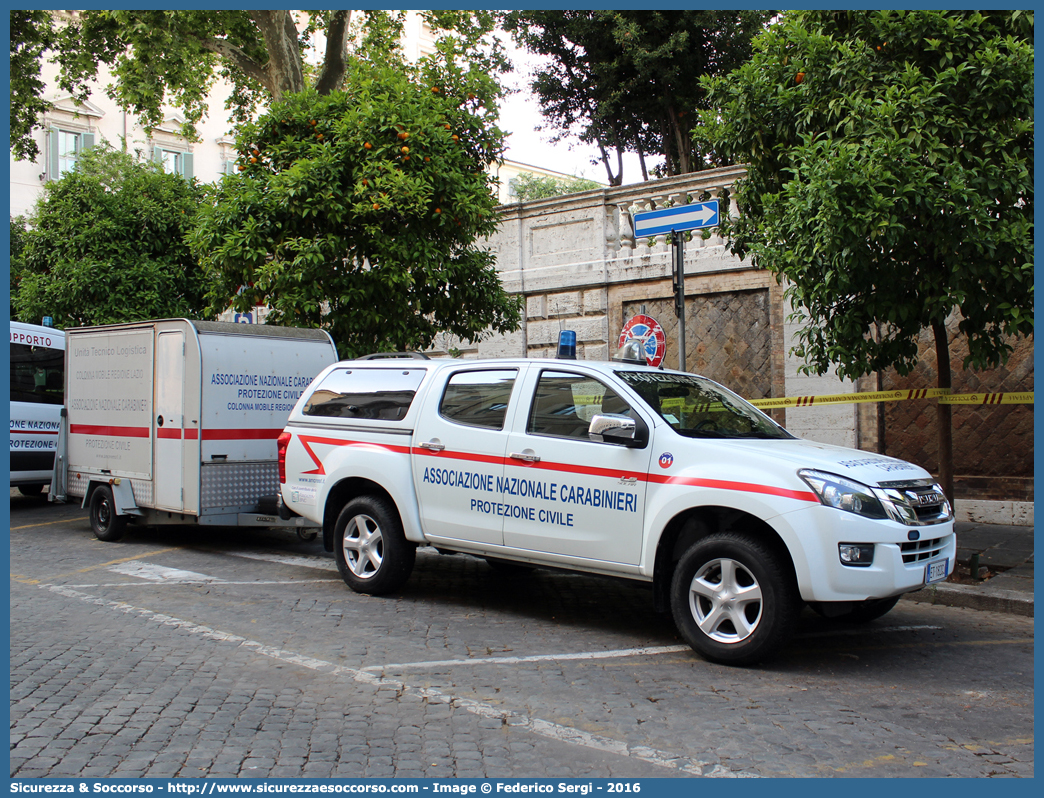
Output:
[[609, 468]]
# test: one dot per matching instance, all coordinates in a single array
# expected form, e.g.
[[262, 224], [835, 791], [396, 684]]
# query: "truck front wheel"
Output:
[[732, 599], [371, 550], [107, 525]]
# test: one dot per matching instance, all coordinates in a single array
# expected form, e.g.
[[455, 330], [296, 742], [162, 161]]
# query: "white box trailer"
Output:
[[176, 421]]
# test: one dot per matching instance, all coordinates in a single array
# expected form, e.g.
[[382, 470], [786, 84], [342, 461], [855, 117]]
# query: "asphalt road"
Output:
[[189, 652]]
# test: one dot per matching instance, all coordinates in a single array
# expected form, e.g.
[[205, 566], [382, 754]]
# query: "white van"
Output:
[[175, 421], [37, 395]]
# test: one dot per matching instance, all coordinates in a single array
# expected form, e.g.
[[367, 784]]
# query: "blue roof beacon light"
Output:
[[567, 345], [47, 321]]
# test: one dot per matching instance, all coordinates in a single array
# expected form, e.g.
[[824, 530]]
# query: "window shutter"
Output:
[[52, 154], [87, 141], [157, 155], [230, 167], [187, 161]]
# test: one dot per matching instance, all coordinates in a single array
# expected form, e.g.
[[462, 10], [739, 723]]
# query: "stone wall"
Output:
[[992, 445]]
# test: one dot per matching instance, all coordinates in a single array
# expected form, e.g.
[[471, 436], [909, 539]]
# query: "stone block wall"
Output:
[[992, 445]]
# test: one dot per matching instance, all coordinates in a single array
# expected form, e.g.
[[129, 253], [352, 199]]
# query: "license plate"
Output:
[[936, 571]]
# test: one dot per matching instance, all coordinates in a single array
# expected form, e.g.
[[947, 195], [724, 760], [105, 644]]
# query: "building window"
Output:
[[66, 147], [173, 162]]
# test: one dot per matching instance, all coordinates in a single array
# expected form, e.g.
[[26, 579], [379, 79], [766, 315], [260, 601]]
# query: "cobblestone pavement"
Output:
[[193, 652]]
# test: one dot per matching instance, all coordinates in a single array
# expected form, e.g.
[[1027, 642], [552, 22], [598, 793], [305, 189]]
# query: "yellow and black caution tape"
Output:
[[850, 398], [1013, 398], [943, 395]]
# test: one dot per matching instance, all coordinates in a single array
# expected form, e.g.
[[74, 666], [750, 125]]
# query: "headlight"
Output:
[[844, 494]]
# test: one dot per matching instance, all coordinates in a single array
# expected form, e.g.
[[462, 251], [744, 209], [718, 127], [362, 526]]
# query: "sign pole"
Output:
[[679, 293]]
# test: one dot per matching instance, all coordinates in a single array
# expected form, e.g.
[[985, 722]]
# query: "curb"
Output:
[[974, 597]]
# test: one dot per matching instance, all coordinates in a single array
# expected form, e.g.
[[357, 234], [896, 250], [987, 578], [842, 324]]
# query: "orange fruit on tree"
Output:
[[800, 76], [367, 146]]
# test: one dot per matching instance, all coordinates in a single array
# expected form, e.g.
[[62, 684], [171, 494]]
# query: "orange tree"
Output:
[[360, 211], [889, 182]]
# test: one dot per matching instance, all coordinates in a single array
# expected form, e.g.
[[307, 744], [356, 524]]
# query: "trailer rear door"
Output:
[[170, 420]]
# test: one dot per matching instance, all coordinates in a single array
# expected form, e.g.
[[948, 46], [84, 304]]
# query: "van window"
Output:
[[373, 394], [37, 374], [478, 398]]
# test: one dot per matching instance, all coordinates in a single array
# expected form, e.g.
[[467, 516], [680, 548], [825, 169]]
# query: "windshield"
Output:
[[698, 408]]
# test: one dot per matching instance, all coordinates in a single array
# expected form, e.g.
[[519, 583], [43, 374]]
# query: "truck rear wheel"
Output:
[[107, 525], [371, 550], [732, 599]]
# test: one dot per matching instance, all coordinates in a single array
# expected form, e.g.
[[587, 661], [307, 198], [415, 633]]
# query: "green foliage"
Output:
[[106, 244], [358, 211], [19, 235], [629, 80], [162, 59], [528, 186], [32, 33], [890, 178]]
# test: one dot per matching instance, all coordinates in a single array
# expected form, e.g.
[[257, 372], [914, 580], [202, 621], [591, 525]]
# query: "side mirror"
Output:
[[621, 430]]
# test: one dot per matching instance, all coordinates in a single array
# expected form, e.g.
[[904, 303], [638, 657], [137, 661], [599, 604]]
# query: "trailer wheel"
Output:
[[371, 550], [107, 525], [732, 600], [32, 491]]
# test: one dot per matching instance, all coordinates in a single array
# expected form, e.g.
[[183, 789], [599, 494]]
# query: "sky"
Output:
[[520, 115]]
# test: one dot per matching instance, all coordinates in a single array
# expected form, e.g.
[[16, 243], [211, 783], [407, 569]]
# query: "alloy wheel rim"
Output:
[[726, 600], [363, 546]]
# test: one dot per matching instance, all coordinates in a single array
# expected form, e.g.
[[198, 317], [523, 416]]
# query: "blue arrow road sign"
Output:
[[681, 217]]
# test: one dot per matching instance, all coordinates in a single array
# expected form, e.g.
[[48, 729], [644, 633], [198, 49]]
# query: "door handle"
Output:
[[529, 458], [433, 446], [628, 480]]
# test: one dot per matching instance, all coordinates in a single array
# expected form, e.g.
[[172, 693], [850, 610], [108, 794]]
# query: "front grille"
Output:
[[931, 513], [922, 497], [918, 550]]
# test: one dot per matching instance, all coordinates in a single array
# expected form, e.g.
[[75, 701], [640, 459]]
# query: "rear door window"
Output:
[[478, 398], [362, 393]]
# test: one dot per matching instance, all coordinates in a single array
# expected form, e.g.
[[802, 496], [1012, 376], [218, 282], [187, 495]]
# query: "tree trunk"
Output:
[[335, 64], [684, 162], [944, 414], [641, 161], [284, 68], [665, 138]]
